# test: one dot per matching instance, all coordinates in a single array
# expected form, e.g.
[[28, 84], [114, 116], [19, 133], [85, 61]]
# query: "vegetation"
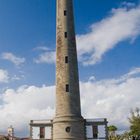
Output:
[[135, 122], [112, 132], [4, 138], [112, 128], [134, 133]]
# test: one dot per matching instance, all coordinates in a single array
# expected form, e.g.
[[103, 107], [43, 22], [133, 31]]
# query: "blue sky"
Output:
[[108, 38], [26, 25]]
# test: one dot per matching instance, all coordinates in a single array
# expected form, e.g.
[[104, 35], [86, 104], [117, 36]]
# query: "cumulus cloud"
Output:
[[42, 48], [122, 24], [17, 77], [128, 4], [12, 58], [46, 57], [110, 98], [26, 103], [4, 76]]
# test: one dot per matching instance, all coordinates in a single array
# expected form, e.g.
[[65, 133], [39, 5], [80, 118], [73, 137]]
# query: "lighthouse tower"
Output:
[[68, 123]]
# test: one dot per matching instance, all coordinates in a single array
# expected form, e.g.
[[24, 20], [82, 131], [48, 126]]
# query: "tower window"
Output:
[[65, 12], [66, 59], [65, 34], [68, 129], [67, 88]]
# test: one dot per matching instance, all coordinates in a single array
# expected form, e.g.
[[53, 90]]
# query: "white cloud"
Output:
[[26, 103], [122, 24], [4, 76], [17, 77], [46, 57], [42, 48], [92, 78], [12, 58], [128, 4], [111, 98]]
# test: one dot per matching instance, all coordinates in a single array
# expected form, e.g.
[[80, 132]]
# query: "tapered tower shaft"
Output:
[[68, 122], [67, 81]]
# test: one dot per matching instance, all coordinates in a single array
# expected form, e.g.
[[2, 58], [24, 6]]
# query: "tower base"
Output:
[[68, 128]]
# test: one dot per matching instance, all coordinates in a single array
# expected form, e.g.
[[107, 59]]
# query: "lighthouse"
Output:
[[68, 122]]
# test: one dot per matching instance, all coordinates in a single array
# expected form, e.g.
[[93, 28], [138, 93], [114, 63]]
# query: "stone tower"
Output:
[[10, 132], [68, 122]]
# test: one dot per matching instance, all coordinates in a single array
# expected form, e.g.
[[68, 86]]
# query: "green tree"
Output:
[[112, 132], [112, 128], [4, 138], [135, 122], [126, 135]]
